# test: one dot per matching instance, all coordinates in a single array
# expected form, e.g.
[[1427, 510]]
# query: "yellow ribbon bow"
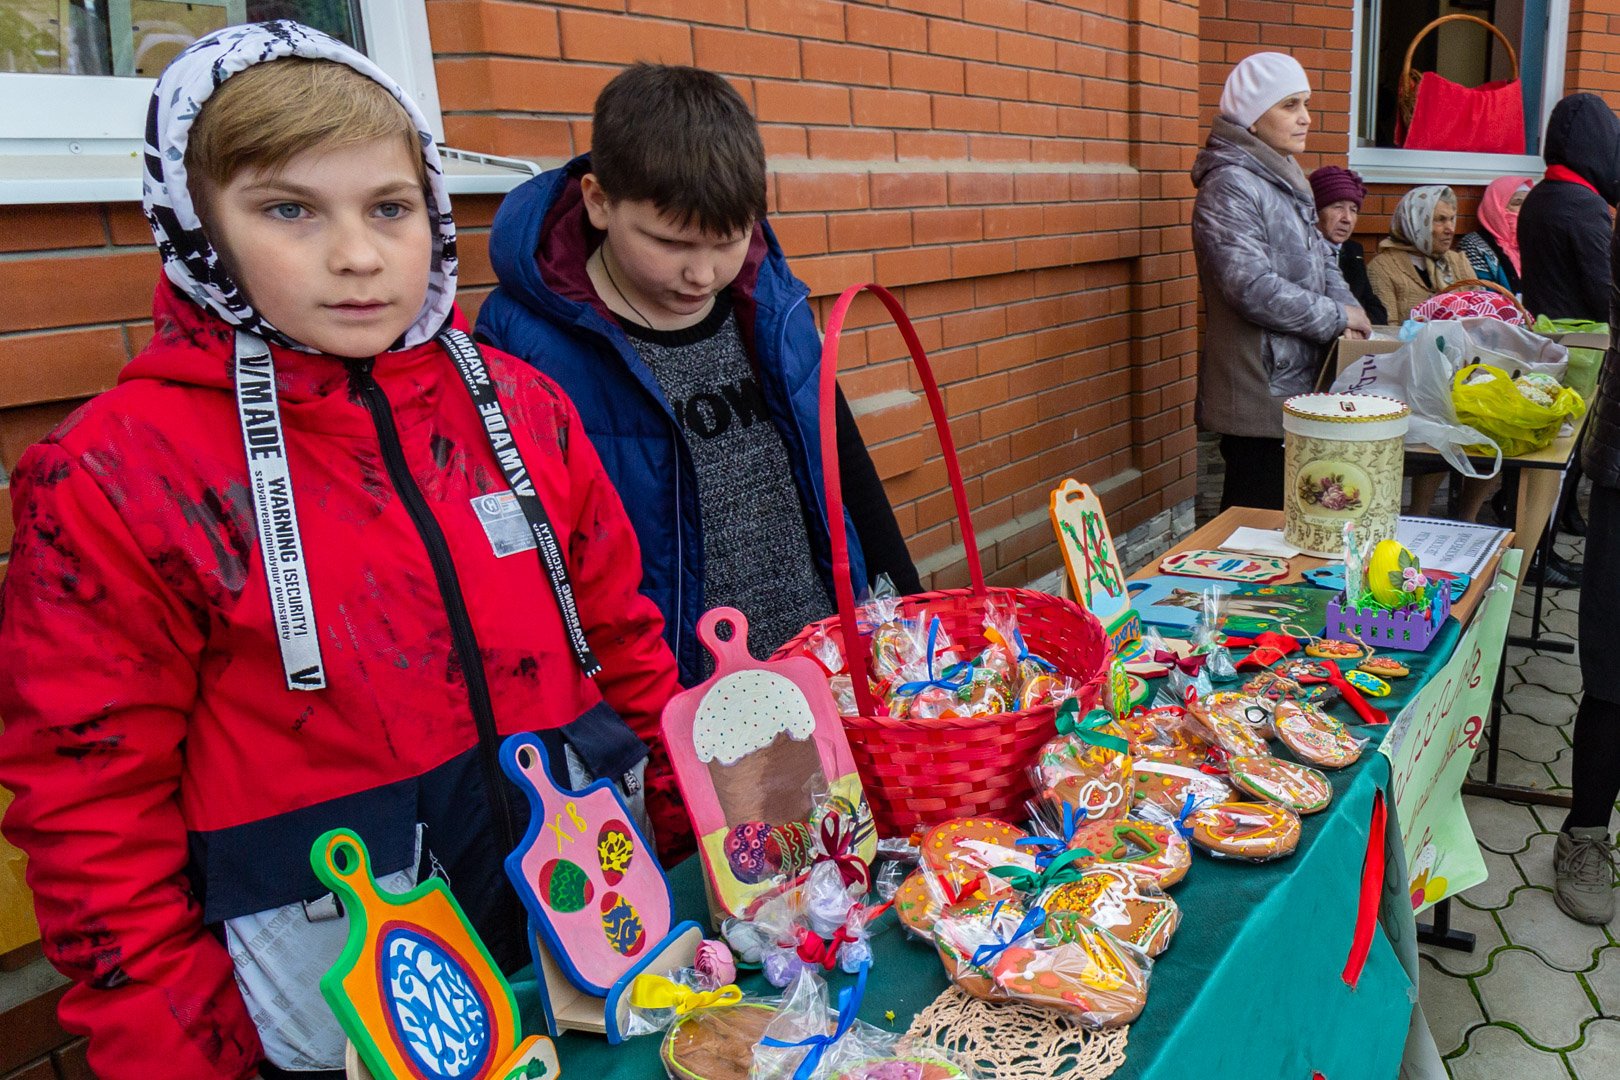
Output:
[[658, 992]]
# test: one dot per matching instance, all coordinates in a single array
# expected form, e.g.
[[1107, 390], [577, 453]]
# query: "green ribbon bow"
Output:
[[1090, 729], [1060, 871]]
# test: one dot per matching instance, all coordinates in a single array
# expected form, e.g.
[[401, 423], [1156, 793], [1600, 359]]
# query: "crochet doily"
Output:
[[1013, 1041]]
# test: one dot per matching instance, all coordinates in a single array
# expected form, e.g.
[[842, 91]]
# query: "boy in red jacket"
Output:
[[305, 566]]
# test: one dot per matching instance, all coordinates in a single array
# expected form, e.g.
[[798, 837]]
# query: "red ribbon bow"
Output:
[[838, 844], [814, 949]]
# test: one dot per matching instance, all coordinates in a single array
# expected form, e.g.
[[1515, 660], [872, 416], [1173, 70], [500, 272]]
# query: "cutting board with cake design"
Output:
[[751, 747]]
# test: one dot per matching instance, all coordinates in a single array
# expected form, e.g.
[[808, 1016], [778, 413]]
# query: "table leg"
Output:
[[1440, 934], [1539, 492]]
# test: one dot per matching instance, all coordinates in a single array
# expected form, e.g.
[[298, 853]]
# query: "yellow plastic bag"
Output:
[[17, 925], [1493, 406]]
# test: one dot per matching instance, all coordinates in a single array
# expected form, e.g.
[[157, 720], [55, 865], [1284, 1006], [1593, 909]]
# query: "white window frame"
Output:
[[1386, 165], [77, 138]]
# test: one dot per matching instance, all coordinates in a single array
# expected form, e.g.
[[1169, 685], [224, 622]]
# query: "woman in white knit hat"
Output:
[[1273, 294]]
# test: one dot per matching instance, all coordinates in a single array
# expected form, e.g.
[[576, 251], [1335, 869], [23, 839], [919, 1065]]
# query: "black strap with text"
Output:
[[475, 373]]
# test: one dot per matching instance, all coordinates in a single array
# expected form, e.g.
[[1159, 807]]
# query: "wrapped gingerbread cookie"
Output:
[[808, 1039], [1005, 951], [1238, 723], [1116, 898], [1165, 777], [1298, 787], [1315, 737], [1255, 832], [1088, 766], [1151, 848], [709, 1030]]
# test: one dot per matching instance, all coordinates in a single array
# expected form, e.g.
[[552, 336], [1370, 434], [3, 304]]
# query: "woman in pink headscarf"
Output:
[[1493, 248]]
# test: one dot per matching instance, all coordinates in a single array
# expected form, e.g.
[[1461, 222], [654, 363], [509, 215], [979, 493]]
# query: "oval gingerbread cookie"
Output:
[[1300, 788], [1254, 831], [1092, 976], [1232, 721], [1315, 737], [1166, 777], [1153, 849], [917, 905], [975, 844]]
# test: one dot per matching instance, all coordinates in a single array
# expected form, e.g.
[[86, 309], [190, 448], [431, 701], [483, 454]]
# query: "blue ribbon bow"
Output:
[[942, 680], [1048, 848], [816, 1046], [1024, 654], [1193, 803], [1033, 918]]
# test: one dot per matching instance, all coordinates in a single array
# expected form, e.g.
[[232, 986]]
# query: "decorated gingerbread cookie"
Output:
[[974, 844], [1371, 685], [1093, 779], [1329, 649], [1254, 831], [1298, 787], [1166, 777], [1384, 667], [1315, 737], [1091, 975], [1114, 898], [1153, 849], [716, 1044], [1305, 671], [1161, 727], [1232, 721], [917, 903]]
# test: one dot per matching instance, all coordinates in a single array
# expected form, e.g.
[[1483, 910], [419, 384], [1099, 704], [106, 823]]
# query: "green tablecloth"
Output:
[[1250, 989]]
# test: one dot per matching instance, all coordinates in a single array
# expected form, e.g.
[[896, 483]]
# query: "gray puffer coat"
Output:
[[1272, 287]]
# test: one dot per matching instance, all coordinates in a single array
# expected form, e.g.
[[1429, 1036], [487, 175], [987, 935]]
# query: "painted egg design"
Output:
[[615, 847], [752, 853], [438, 1015], [622, 925], [564, 886]]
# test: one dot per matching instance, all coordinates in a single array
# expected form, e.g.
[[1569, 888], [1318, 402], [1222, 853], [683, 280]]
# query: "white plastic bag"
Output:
[[1420, 373]]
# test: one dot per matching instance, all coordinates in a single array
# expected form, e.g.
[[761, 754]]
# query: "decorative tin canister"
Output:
[[1344, 461]]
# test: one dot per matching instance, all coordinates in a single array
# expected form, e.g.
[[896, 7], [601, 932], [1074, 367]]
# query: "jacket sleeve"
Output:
[[1229, 234], [1382, 280], [100, 675], [624, 628], [1338, 287]]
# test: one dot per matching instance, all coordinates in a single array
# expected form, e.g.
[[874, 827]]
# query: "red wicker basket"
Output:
[[918, 772]]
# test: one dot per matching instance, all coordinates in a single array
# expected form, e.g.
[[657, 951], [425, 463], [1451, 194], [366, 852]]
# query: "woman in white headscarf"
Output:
[[1417, 259]]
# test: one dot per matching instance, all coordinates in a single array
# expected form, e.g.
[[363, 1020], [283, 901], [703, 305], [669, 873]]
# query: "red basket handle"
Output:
[[857, 659]]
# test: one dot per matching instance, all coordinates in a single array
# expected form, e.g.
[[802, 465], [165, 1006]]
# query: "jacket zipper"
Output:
[[462, 638]]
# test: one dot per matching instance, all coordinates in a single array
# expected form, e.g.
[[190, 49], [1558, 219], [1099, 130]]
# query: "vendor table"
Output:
[[1280, 969]]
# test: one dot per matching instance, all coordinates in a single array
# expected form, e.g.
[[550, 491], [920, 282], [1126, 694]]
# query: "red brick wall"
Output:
[[1593, 65], [1016, 169]]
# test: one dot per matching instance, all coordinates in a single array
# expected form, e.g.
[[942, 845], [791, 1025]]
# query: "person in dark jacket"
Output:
[[645, 280], [1273, 293], [1565, 222], [1583, 856], [1339, 194]]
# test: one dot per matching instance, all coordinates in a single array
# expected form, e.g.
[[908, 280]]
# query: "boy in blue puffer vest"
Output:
[[644, 278]]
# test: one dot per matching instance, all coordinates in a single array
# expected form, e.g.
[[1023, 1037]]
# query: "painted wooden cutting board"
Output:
[[749, 747], [414, 988], [589, 879]]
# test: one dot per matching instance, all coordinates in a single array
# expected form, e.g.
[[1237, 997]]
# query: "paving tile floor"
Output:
[[1539, 997]]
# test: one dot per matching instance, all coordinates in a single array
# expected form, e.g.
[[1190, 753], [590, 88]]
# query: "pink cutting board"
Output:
[[747, 747], [589, 879]]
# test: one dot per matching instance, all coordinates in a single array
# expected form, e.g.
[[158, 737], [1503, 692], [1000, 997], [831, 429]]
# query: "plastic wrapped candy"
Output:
[[1315, 737], [1088, 766], [894, 644], [709, 1034], [1008, 653], [810, 1040], [1208, 641], [821, 922], [1005, 951]]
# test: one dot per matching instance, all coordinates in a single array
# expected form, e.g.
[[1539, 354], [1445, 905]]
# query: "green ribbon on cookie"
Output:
[[1060, 871], [1090, 730]]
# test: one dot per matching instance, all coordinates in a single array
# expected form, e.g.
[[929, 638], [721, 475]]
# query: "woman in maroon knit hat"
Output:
[[1339, 194]]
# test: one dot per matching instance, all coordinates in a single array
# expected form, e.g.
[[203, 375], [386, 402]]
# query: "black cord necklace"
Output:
[[608, 270]]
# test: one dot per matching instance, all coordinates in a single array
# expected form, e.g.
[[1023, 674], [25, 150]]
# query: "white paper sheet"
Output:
[[1458, 547], [1247, 541]]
